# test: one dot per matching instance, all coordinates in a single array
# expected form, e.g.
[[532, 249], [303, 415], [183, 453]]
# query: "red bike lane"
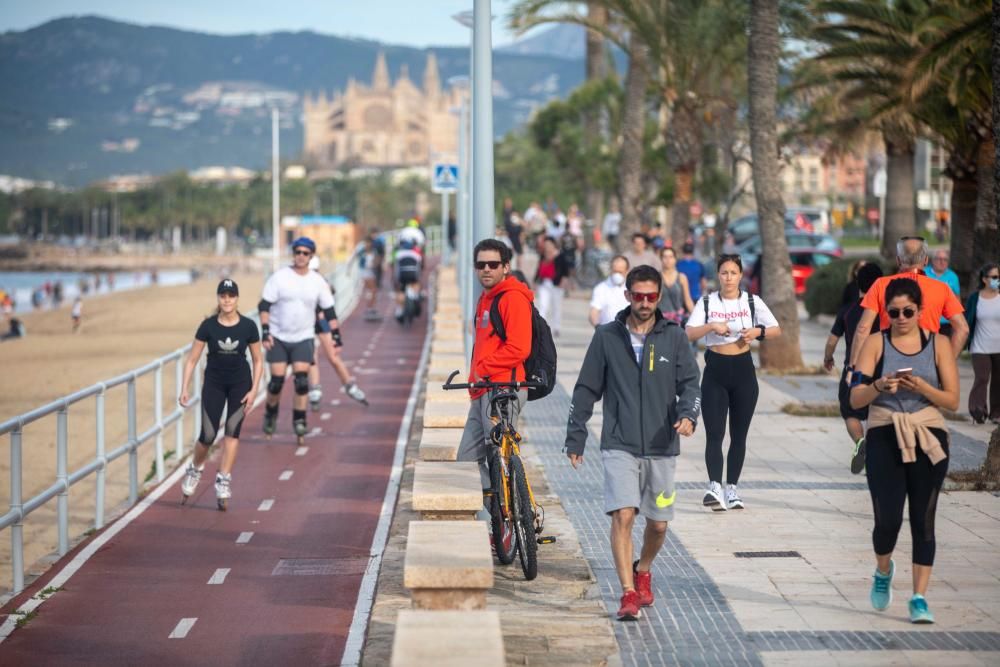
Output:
[[273, 579]]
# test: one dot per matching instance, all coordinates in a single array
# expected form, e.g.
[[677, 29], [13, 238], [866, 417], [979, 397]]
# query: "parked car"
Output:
[[741, 229], [750, 249], [804, 262], [810, 218]]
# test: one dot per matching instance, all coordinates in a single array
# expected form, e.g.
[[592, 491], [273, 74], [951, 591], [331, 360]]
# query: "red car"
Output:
[[804, 262]]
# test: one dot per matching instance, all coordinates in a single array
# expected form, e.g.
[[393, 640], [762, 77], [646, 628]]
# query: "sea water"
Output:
[[21, 284]]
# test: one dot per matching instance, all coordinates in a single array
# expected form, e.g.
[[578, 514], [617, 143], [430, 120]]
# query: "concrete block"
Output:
[[435, 394], [448, 639], [439, 444], [447, 490], [448, 564], [445, 415], [442, 365]]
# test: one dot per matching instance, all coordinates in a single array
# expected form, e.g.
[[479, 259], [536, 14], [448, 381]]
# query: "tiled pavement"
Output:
[[715, 609]]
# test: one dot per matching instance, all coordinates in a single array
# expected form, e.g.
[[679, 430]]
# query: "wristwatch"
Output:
[[763, 332]]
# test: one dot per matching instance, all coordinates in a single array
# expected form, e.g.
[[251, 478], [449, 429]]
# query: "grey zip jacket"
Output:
[[642, 401]]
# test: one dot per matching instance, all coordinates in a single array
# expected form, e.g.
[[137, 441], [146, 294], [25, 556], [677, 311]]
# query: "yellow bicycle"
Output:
[[516, 519]]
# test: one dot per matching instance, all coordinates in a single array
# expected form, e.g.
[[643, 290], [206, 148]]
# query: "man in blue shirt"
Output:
[[939, 270], [694, 271]]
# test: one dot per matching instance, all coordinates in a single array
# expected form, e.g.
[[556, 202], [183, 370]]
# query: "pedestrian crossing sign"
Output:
[[445, 178]]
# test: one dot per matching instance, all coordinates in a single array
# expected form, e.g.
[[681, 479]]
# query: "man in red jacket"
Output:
[[493, 358]]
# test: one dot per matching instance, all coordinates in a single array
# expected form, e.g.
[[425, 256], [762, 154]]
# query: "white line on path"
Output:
[[266, 505], [324, 416], [366, 353], [286, 475], [301, 451], [219, 576], [366, 593], [244, 538], [335, 401], [183, 628]]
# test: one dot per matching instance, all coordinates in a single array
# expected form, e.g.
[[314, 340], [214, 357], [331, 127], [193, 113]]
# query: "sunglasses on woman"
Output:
[[907, 312], [649, 297], [492, 264]]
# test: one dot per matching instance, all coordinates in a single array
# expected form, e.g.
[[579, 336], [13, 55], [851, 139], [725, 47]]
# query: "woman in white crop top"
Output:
[[729, 320]]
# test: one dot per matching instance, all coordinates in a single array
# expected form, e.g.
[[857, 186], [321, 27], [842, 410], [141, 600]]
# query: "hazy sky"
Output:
[[411, 22]]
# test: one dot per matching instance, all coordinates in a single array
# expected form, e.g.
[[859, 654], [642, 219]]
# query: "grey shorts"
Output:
[[290, 353], [646, 483], [476, 435]]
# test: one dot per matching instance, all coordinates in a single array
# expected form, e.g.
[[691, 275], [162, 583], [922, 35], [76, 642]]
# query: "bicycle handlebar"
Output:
[[487, 384]]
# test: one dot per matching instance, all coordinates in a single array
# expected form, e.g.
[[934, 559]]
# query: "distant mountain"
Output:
[[85, 97], [566, 40]]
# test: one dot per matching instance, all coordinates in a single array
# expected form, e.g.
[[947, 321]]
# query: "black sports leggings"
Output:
[[214, 397], [891, 482], [728, 387]]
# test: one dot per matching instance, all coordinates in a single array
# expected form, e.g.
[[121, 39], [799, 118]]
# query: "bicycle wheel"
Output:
[[504, 542], [524, 519]]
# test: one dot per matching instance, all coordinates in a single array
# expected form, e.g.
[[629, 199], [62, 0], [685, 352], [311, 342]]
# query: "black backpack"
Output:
[[540, 366]]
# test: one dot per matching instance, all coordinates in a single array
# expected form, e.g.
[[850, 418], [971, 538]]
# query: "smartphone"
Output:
[[903, 372]]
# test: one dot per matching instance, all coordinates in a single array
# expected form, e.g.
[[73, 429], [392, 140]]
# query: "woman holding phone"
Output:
[[908, 375], [228, 384]]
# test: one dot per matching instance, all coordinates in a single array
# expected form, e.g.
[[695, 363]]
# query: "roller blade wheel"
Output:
[[184, 499], [270, 421], [223, 504], [314, 406], [500, 522], [524, 519]]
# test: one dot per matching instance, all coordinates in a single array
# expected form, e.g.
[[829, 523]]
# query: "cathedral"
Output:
[[384, 124]]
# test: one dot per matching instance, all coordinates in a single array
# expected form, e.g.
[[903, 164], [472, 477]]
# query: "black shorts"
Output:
[[403, 281], [844, 396], [290, 353]]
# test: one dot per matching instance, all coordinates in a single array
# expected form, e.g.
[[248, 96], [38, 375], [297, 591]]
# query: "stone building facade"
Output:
[[384, 124]]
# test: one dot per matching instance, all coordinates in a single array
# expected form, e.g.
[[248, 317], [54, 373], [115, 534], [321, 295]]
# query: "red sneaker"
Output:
[[643, 585], [630, 609]]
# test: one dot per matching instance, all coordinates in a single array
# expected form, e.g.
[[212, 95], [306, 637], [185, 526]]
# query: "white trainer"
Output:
[[713, 497], [223, 490], [733, 500], [356, 392], [191, 479]]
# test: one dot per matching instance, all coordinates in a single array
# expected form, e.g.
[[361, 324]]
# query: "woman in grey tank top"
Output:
[[907, 376], [675, 297]]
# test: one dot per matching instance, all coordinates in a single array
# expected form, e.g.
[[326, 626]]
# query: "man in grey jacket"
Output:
[[642, 366]]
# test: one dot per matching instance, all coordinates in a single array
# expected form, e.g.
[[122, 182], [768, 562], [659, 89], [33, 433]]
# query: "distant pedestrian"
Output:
[[552, 272], [641, 365], [611, 227], [729, 320], [229, 385], [939, 270], [512, 225], [640, 253], [983, 314], [608, 298], [76, 313], [694, 270], [675, 303], [844, 325], [907, 375]]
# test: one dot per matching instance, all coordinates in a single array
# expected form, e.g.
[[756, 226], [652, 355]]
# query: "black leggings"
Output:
[[891, 482], [214, 397], [728, 387]]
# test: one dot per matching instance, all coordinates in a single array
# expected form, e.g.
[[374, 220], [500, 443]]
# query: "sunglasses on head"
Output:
[[492, 264], [303, 252], [912, 238], [907, 312], [649, 297]]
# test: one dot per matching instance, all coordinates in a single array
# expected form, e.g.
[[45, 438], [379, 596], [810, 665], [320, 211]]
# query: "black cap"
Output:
[[228, 286]]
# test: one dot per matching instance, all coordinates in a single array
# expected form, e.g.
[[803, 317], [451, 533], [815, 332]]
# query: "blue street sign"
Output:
[[445, 178]]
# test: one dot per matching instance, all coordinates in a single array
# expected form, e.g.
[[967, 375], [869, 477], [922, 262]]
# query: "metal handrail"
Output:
[[345, 281]]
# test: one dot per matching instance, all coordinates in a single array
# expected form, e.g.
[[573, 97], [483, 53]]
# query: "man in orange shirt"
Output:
[[938, 299]]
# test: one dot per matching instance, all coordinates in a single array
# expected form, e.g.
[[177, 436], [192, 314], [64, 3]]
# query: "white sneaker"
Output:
[[223, 490], [713, 497], [357, 393], [191, 479], [733, 500]]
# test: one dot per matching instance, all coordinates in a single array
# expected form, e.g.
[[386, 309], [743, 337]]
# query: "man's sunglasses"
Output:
[[492, 264], [907, 312], [306, 253], [650, 297]]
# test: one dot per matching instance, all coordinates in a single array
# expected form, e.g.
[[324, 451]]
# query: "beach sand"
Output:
[[120, 332]]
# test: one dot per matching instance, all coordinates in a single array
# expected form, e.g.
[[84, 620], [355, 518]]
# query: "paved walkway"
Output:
[[273, 580], [785, 581]]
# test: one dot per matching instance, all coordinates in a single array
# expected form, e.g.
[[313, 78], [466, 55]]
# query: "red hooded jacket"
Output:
[[491, 357]]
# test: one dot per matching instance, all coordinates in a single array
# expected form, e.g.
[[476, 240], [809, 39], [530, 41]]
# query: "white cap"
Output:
[[314, 263]]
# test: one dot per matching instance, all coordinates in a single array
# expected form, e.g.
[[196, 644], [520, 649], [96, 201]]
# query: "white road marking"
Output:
[[182, 628], [219, 576], [301, 451], [265, 505], [323, 417], [285, 476], [400, 361], [335, 402], [366, 593], [367, 353], [244, 538]]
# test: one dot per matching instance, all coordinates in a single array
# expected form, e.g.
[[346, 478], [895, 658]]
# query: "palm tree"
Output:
[[762, 68], [633, 125], [597, 70], [868, 46]]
